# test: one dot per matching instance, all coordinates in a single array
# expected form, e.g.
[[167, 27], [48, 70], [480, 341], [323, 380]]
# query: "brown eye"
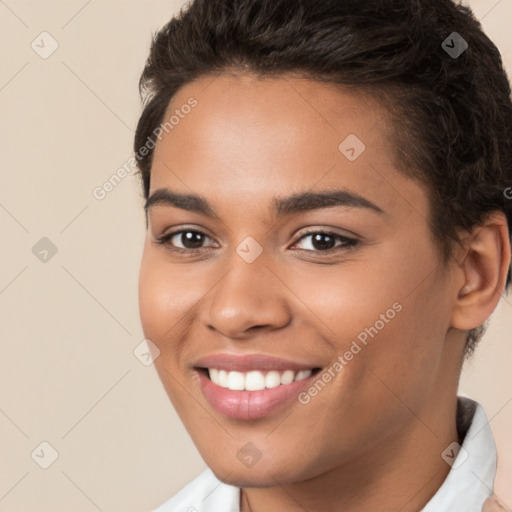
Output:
[[321, 241], [189, 239]]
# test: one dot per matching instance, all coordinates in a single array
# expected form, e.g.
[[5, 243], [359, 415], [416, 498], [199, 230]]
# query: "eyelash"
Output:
[[346, 242]]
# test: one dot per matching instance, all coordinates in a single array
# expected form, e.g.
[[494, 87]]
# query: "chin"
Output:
[[260, 475], [248, 478]]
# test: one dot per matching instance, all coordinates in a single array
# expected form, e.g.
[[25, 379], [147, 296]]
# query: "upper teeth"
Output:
[[255, 380]]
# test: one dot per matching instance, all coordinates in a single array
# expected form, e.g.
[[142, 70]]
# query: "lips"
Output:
[[251, 386], [248, 362]]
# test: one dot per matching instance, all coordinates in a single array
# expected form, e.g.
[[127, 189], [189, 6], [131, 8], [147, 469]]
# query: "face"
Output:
[[302, 302]]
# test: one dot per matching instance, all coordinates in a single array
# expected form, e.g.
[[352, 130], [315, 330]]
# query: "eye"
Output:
[[322, 241], [190, 240]]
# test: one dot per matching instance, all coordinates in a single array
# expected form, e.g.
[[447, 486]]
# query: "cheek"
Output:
[[160, 303], [385, 313], [163, 308], [153, 297], [346, 299], [165, 297]]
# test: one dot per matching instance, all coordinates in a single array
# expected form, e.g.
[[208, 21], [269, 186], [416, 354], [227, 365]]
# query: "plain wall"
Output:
[[69, 325]]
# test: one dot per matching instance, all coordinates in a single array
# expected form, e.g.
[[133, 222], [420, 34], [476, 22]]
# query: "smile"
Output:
[[251, 386], [255, 380]]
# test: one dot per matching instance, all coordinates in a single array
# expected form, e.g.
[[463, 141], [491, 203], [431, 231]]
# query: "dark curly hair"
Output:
[[450, 104]]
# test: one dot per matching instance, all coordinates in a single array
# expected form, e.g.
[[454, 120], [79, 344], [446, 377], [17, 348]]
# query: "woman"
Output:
[[327, 189]]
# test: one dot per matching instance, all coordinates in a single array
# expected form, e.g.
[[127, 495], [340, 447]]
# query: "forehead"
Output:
[[248, 139]]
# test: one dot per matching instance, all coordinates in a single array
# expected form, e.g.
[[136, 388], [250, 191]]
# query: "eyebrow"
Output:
[[299, 202]]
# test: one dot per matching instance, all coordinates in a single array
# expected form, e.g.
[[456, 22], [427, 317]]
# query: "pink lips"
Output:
[[250, 404], [250, 362]]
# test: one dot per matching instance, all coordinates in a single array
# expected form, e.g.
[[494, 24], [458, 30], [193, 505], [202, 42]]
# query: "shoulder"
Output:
[[206, 493]]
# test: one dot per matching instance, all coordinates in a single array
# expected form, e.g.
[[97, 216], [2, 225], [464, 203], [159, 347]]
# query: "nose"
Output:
[[250, 297]]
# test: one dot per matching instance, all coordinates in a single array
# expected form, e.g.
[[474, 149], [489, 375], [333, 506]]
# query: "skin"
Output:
[[372, 438]]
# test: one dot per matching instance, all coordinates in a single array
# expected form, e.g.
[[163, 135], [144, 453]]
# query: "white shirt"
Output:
[[468, 484]]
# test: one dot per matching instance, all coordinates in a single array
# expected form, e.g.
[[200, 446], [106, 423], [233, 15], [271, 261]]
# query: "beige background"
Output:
[[70, 325]]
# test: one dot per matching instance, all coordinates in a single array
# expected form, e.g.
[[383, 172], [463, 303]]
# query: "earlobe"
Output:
[[484, 271]]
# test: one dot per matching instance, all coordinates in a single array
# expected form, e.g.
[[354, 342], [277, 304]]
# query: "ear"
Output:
[[483, 270]]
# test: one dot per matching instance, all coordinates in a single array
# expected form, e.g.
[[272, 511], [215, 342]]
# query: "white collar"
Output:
[[468, 484], [471, 479]]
